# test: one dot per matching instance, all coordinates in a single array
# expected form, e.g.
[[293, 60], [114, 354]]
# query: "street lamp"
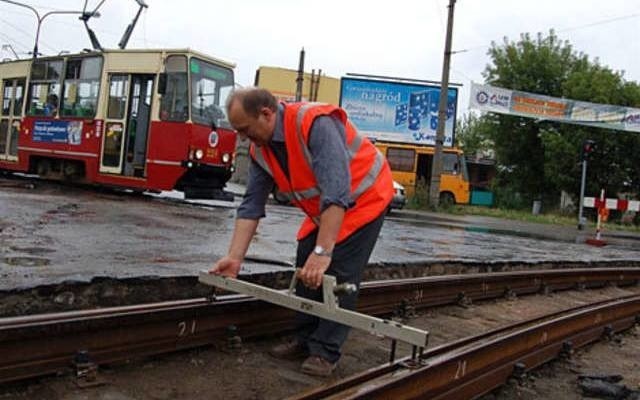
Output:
[[83, 15]]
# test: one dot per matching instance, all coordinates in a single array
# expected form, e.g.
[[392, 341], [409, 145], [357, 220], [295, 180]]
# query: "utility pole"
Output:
[[587, 148], [436, 166], [300, 78]]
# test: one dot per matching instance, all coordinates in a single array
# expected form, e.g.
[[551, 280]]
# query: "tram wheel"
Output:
[[43, 168]]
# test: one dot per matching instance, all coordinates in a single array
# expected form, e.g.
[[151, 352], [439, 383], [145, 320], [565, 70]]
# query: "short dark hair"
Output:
[[252, 100]]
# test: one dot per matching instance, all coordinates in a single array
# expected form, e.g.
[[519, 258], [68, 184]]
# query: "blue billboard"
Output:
[[397, 111]]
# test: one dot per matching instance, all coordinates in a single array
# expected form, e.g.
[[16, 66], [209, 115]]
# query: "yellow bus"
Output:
[[412, 163]]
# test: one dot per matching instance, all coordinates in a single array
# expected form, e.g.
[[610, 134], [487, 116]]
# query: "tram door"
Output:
[[12, 102], [124, 144]]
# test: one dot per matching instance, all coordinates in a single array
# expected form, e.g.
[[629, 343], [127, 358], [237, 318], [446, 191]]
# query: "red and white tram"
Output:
[[146, 120]]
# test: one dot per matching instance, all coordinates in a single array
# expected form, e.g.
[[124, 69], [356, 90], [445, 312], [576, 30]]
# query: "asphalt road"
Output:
[[51, 233]]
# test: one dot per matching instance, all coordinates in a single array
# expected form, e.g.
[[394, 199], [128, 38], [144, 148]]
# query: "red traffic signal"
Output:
[[587, 148]]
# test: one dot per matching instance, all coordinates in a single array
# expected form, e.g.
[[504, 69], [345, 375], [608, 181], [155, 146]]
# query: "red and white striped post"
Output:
[[604, 205], [597, 241]]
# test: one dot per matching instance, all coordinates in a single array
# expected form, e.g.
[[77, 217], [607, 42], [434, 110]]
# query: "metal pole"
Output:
[[40, 19], [583, 183], [300, 78], [436, 166], [35, 47]]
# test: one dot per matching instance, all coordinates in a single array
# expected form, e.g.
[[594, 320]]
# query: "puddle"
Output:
[[483, 230], [26, 261], [32, 250]]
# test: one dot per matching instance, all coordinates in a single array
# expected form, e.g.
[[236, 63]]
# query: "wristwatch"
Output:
[[320, 251]]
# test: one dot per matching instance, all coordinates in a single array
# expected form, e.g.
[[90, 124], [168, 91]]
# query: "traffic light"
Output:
[[587, 148]]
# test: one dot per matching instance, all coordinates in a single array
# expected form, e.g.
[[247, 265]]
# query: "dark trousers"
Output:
[[325, 338]]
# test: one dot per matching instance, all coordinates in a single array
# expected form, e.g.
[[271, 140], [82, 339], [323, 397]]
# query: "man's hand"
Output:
[[226, 266], [313, 270]]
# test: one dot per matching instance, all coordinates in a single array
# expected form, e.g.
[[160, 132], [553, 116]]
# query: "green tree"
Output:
[[537, 159], [473, 134]]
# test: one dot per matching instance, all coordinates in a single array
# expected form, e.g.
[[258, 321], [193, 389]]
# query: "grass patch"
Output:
[[543, 218]]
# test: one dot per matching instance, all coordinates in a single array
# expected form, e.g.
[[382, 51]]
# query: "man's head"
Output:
[[252, 113]]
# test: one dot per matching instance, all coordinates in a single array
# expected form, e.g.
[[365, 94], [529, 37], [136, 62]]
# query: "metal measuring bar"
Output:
[[329, 309]]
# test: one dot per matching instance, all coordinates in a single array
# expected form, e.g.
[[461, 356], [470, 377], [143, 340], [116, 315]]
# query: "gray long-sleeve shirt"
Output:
[[330, 165]]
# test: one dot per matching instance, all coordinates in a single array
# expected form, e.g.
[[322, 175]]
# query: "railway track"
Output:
[[76, 341], [474, 366]]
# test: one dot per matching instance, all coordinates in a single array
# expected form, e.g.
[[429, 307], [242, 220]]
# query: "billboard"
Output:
[[397, 111], [513, 102]]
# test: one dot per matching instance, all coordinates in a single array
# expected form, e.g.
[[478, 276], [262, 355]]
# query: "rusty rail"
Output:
[[475, 366], [44, 344]]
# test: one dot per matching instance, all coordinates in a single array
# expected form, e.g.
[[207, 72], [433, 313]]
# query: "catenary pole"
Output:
[[436, 166]]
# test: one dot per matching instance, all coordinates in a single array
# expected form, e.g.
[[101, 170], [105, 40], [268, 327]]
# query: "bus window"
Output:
[[210, 86], [450, 163], [174, 105], [44, 88], [81, 87], [401, 159], [463, 167]]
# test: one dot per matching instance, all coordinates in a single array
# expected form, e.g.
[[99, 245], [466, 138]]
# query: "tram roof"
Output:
[[106, 52]]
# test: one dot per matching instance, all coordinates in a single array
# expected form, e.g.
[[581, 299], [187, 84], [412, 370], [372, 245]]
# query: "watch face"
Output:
[[318, 250]]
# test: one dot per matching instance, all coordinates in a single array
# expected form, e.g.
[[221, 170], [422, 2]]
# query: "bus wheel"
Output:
[[447, 199]]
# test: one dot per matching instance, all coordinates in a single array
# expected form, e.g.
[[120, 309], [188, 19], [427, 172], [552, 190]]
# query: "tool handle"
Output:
[[345, 288]]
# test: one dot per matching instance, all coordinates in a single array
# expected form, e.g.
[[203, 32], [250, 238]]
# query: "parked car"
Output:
[[399, 199], [398, 202]]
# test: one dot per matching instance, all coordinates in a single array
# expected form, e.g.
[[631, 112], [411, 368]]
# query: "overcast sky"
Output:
[[403, 38]]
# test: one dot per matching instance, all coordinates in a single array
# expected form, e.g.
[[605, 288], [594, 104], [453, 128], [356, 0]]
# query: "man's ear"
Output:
[[266, 112]]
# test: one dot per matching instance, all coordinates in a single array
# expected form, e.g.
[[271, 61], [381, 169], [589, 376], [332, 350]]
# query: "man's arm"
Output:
[[248, 216], [330, 163], [316, 265], [243, 232]]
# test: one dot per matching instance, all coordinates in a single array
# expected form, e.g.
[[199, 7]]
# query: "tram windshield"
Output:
[[210, 87]]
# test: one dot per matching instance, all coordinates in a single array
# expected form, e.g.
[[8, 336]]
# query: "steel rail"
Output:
[[43, 344], [474, 366]]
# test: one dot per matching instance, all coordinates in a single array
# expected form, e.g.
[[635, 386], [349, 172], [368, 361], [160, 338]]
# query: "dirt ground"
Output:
[[250, 373]]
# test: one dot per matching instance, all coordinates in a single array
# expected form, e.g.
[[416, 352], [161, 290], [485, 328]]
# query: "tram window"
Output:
[[81, 87], [19, 98], [44, 88], [401, 159], [174, 105], [16, 92], [6, 97], [210, 87], [118, 92]]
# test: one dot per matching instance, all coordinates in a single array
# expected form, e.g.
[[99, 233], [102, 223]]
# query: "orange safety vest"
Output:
[[371, 182]]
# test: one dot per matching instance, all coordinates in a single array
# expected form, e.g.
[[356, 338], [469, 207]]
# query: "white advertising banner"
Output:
[[513, 102]]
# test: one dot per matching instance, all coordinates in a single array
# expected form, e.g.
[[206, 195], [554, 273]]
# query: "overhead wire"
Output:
[[25, 33], [17, 45], [569, 29]]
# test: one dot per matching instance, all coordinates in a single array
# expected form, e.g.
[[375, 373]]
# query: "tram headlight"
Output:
[[199, 154], [226, 157]]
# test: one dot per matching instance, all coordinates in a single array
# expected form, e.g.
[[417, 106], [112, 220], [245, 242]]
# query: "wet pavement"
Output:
[[51, 233]]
